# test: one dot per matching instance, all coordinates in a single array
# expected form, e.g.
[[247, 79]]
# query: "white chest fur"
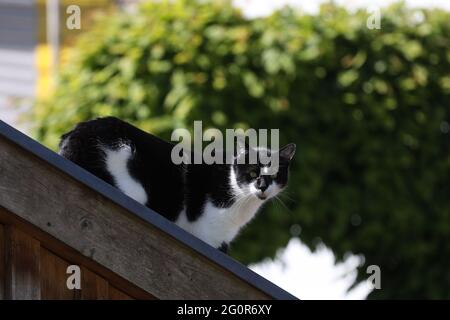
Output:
[[215, 225], [218, 225]]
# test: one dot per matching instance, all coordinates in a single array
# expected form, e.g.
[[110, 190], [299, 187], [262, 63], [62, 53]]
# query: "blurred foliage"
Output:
[[368, 109]]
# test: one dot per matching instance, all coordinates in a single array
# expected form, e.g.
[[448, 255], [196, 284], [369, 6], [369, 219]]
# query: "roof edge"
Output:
[[144, 213]]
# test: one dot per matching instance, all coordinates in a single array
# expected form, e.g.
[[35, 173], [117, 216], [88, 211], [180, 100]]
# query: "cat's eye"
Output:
[[253, 174]]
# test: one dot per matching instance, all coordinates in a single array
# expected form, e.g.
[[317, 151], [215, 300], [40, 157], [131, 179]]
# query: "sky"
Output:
[[258, 8], [305, 274]]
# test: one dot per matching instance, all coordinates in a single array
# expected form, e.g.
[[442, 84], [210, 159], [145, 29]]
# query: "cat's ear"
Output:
[[288, 151]]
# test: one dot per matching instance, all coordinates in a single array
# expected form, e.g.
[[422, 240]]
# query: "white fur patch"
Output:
[[218, 225], [63, 145], [117, 165]]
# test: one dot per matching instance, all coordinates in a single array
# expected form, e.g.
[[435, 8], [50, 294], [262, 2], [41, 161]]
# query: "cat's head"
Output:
[[253, 180]]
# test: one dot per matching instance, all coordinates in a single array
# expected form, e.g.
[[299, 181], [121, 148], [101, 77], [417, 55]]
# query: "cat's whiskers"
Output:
[[241, 203], [285, 194], [284, 205]]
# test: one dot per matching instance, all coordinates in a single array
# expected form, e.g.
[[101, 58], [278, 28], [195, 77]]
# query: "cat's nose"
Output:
[[261, 184]]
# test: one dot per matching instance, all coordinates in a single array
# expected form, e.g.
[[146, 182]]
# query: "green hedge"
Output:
[[368, 109]]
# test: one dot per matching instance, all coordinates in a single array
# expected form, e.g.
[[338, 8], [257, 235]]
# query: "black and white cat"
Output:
[[213, 202]]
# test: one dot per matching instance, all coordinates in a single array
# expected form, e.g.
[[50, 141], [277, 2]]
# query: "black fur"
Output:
[[169, 186], [224, 247]]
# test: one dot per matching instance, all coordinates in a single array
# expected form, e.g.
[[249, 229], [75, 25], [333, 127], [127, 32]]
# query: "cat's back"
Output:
[[108, 131], [133, 160]]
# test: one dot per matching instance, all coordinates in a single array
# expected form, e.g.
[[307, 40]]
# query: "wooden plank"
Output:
[[17, 37], [2, 262], [16, 10], [8, 22], [17, 73], [69, 254], [116, 294], [108, 234], [93, 286], [23, 58], [23, 266], [17, 3], [17, 88], [54, 277]]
